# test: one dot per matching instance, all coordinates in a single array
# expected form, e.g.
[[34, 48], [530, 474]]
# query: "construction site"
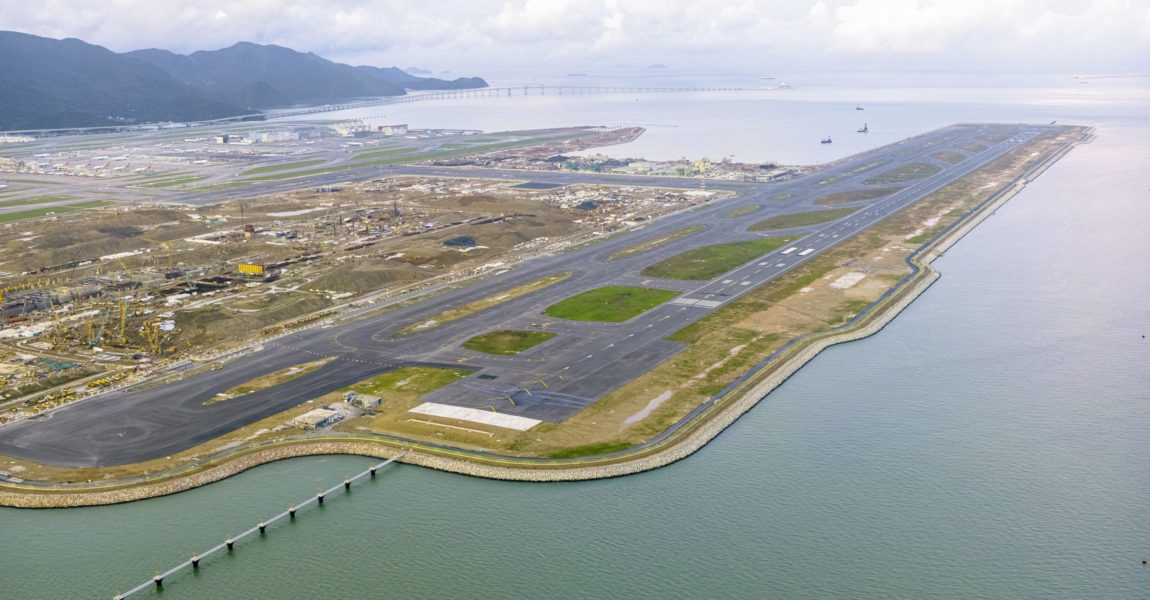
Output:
[[104, 297]]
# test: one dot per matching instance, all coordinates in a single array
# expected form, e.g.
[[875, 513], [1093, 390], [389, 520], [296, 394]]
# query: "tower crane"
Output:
[[168, 245], [123, 317], [125, 268]]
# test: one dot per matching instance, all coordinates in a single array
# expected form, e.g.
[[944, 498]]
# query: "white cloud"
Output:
[[476, 34]]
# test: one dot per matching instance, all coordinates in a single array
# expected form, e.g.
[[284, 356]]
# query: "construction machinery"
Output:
[[93, 340], [153, 336], [168, 246], [123, 319]]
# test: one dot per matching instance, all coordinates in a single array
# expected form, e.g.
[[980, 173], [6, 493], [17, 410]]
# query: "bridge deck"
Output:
[[158, 579]]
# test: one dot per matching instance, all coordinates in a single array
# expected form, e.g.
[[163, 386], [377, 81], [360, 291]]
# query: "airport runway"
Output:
[[549, 382]]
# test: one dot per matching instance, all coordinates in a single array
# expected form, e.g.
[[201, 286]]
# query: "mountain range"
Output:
[[47, 83]]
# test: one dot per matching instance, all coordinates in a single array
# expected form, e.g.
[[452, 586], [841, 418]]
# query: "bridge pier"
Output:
[[158, 580]]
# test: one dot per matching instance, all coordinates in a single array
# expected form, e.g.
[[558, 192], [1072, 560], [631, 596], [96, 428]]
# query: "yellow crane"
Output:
[[57, 333], [168, 245], [123, 317], [152, 337], [125, 268]]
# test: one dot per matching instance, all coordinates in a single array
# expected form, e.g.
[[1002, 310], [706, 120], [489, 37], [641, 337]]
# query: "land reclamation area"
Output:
[[623, 347]]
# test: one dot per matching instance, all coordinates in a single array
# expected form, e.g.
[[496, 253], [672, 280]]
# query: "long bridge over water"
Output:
[[488, 92], [194, 562], [491, 92]]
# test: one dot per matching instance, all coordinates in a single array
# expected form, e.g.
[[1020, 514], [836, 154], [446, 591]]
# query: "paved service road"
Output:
[[551, 381]]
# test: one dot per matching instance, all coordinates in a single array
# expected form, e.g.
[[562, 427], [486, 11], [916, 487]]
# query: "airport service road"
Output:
[[549, 382]]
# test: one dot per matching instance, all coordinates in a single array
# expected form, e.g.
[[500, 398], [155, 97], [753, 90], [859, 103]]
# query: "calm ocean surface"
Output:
[[992, 442]]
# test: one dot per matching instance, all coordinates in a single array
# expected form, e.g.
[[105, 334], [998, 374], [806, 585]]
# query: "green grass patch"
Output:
[[590, 450], [484, 303], [801, 219], [408, 380], [38, 200], [598, 240], [971, 147], [160, 175], [170, 182], [709, 262], [406, 158], [856, 195], [950, 157], [507, 342], [782, 196], [282, 167], [41, 212], [613, 304], [270, 380], [999, 133], [926, 235], [864, 168], [847, 310], [307, 173], [218, 186], [907, 172], [741, 211], [377, 153], [645, 246]]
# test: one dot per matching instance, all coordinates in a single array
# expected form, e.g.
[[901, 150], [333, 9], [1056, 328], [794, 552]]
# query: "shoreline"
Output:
[[681, 440]]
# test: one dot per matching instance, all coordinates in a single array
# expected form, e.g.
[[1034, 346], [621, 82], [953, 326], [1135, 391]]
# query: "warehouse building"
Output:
[[315, 419]]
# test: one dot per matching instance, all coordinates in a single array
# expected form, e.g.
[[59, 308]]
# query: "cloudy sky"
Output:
[[477, 36]]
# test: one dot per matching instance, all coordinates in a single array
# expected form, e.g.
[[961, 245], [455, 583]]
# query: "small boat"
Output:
[[864, 129], [858, 107], [826, 140]]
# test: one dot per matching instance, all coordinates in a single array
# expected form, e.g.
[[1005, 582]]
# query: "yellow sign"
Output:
[[251, 269]]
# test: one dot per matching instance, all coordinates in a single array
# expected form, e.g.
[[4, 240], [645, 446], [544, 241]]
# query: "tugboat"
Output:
[[826, 140], [864, 129]]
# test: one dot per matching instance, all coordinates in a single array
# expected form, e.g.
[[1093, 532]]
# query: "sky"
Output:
[[476, 37]]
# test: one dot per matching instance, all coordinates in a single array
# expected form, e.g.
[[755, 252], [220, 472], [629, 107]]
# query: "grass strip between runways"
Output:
[[612, 304], [473, 307], [709, 262]]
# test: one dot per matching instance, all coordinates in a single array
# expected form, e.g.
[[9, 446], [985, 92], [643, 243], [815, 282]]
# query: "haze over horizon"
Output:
[[1059, 36]]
